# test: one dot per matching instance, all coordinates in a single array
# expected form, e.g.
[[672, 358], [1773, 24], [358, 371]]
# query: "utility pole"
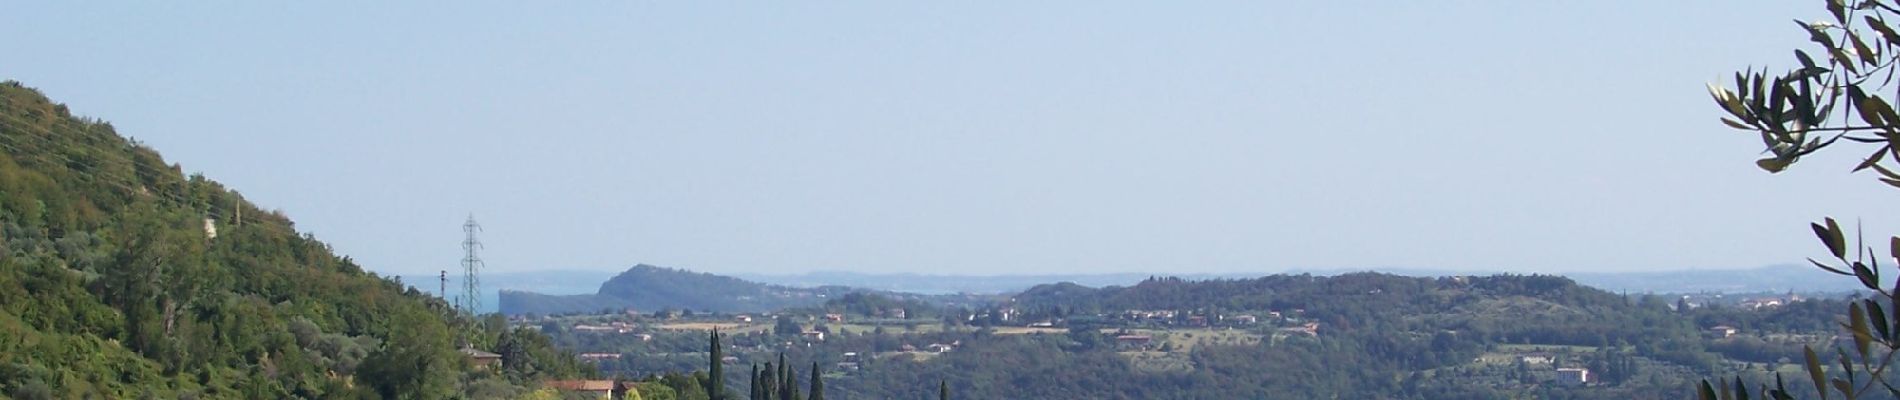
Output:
[[471, 265], [444, 291]]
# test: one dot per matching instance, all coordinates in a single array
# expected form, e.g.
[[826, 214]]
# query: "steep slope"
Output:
[[120, 277]]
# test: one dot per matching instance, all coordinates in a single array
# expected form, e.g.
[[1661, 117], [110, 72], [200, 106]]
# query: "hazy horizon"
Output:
[[1399, 270], [1072, 138]]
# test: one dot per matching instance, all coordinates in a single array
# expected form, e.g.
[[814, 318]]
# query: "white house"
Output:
[[1573, 376]]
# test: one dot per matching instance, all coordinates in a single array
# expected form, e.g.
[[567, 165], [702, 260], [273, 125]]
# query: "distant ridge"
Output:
[[650, 288], [646, 287], [1772, 278]]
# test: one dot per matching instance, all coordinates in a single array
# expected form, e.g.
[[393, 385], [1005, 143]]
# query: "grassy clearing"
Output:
[[1180, 342], [1185, 340]]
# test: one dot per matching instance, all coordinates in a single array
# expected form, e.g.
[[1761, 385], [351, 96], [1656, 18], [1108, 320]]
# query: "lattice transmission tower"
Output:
[[471, 299]]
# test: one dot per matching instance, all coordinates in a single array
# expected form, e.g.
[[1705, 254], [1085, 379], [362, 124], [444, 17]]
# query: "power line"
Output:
[[472, 264]]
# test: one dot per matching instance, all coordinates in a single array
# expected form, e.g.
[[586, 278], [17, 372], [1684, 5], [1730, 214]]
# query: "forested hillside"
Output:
[[121, 277], [1548, 309]]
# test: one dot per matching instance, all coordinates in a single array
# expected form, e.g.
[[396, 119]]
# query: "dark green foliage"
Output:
[[1513, 308], [112, 287], [688, 387], [758, 387], [785, 326], [715, 381], [768, 383], [817, 383], [783, 380], [788, 383], [880, 306]]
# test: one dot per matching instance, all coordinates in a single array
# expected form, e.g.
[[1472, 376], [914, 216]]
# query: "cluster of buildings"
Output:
[[933, 347], [1694, 301], [1771, 302], [599, 356], [1189, 319], [618, 327], [1308, 329]]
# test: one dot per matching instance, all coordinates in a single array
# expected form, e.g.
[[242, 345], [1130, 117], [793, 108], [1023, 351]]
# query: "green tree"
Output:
[[1810, 108], [817, 383], [414, 363], [756, 385], [786, 327], [514, 355], [787, 382], [768, 383], [715, 376]]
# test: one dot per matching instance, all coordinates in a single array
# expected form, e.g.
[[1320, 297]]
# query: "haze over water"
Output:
[[1053, 138]]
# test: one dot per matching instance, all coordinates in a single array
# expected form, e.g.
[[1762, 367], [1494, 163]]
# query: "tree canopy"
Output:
[[122, 277]]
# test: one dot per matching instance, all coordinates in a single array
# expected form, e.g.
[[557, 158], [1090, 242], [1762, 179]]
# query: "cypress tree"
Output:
[[788, 384], [784, 385], [770, 379], [791, 384], [943, 390], [715, 389], [817, 383], [754, 382]]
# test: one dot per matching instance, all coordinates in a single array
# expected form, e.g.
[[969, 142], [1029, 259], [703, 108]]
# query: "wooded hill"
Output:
[[648, 288], [121, 277], [1363, 335]]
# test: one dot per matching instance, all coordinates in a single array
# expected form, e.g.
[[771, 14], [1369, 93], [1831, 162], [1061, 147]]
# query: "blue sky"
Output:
[[967, 138]]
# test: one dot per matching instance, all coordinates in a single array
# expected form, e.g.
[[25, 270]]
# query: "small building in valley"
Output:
[[592, 388], [1722, 331], [1573, 376], [481, 359], [1309, 329]]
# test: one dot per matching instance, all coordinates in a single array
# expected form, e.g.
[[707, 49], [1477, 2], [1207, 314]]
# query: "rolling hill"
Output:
[[123, 277], [651, 288]]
